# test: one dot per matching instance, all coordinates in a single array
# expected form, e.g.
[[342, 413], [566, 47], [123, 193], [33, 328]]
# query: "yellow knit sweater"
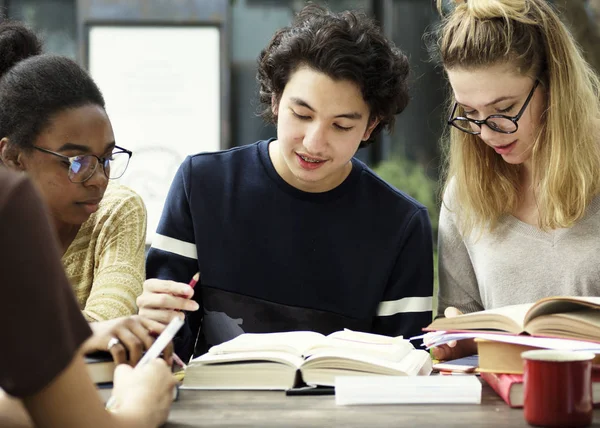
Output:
[[105, 261]]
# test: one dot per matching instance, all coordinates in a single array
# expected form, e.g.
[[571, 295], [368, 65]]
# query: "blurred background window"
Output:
[[55, 20]]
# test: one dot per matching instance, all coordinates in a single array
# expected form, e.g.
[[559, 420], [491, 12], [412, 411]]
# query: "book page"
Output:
[[246, 370], [359, 336], [352, 390], [539, 342], [509, 319], [561, 304], [359, 344], [323, 369], [292, 342], [248, 357], [582, 324]]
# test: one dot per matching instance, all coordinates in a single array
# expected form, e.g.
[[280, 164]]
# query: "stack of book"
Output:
[[101, 367], [565, 323]]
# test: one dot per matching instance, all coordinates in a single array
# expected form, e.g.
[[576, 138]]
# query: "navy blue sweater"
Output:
[[275, 258]]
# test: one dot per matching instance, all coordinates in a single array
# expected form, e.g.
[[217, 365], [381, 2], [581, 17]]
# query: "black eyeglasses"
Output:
[[496, 122], [82, 167]]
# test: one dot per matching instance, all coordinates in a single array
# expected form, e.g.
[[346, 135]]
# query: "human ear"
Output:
[[10, 155], [372, 125]]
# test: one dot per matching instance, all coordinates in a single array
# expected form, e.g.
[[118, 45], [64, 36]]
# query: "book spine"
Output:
[[501, 384]]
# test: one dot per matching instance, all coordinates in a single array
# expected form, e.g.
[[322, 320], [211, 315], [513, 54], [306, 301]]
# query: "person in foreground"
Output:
[[520, 218], [53, 126], [42, 364], [295, 233]]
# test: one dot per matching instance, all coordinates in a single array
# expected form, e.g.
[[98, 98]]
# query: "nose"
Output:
[[315, 139], [98, 178], [487, 134]]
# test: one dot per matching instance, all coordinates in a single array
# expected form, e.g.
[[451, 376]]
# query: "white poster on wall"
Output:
[[162, 92]]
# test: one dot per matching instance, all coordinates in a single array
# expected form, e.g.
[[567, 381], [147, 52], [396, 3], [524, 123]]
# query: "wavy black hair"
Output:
[[344, 46]]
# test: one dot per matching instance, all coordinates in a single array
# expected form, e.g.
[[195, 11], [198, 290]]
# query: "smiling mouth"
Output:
[[309, 159]]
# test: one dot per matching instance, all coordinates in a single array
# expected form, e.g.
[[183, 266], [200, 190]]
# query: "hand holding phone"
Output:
[[161, 341], [157, 347]]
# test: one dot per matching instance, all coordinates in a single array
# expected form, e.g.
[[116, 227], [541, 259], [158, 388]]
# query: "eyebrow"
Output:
[[497, 100], [80, 148], [301, 102]]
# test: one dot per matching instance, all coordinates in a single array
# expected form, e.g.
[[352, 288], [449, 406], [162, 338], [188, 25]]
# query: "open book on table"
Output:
[[284, 360], [562, 317]]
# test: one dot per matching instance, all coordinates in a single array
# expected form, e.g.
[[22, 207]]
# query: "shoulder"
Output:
[[120, 204], [450, 202], [11, 186], [118, 197], [224, 158], [449, 212], [591, 218], [385, 193], [21, 205], [217, 170]]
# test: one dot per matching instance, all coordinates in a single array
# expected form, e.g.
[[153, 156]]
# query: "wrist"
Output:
[[132, 417]]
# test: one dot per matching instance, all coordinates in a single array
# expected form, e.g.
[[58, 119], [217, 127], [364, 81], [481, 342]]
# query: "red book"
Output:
[[510, 387]]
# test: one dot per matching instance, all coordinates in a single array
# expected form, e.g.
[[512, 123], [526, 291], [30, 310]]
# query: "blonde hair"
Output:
[[566, 152]]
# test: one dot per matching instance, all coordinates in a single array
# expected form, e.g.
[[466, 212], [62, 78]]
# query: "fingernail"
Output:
[[194, 307]]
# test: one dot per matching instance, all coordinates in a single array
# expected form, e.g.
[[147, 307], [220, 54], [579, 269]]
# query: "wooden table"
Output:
[[274, 409]]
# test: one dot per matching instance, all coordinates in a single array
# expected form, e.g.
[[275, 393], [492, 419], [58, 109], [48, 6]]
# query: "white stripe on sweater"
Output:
[[175, 246], [407, 304]]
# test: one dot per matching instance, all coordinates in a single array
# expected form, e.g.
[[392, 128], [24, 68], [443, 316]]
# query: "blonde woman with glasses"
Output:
[[520, 217]]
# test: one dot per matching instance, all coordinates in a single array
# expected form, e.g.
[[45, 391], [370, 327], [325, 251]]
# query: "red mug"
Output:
[[557, 388]]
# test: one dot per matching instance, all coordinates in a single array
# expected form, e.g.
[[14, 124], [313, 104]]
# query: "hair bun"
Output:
[[17, 43], [490, 9]]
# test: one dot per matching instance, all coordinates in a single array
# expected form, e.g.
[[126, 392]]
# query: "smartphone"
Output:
[[154, 351], [161, 341], [461, 365]]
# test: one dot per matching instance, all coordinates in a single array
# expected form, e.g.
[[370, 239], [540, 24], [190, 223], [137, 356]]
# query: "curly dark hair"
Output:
[[35, 87], [344, 46]]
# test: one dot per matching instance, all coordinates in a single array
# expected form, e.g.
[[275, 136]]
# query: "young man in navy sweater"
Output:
[[294, 233]]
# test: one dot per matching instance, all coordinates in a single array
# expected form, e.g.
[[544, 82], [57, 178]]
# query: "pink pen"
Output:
[[193, 283], [194, 280]]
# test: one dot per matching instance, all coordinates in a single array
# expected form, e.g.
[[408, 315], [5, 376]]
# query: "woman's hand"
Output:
[[454, 349], [163, 300], [144, 394], [125, 337]]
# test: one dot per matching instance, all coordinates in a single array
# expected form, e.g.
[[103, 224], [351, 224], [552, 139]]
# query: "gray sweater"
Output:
[[517, 262]]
